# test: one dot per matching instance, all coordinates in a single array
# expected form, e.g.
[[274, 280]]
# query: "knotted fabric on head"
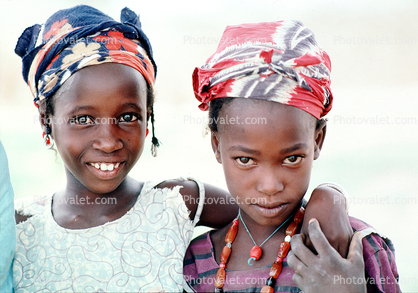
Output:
[[275, 61], [78, 37]]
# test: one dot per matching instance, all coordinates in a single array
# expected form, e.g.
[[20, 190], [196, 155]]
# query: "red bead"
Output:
[[36, 104], [225, 254], [232, 232], [275, 270], [291, 230], [235, 222], [279, 259], [299, 215], [267, 289], [222, 265], [256, 252], [220, 278], [283, 249]]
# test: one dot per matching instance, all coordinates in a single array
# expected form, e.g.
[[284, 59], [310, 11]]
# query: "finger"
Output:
[[308, 243], [298, 280], [296, 264], [355, 252], [344, 244], [318, 239], [342, 248], [301, 251]]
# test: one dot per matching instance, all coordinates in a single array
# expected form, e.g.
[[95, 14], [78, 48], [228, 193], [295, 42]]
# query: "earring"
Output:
[[49, 143]]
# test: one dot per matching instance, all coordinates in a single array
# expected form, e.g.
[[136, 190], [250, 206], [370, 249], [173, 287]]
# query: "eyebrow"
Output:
[[126, 105], [243, 149], [132, 105], [295, 147], [81, 108], [255, 152]]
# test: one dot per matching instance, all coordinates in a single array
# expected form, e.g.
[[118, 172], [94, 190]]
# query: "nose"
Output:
[[107, 138], [270, 181]]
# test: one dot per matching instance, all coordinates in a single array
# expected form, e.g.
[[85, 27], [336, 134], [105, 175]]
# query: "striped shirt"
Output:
[[200, 267]]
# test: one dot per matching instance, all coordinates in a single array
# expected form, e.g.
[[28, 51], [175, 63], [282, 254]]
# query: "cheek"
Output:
[[238, 182]]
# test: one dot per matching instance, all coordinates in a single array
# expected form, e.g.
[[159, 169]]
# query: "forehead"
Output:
[[260, 119], [110, 80]]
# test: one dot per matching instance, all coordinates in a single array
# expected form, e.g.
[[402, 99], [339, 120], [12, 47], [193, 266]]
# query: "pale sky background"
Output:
[[371, 144]]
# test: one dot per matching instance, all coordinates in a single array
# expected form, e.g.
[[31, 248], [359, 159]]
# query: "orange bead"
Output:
[[283, 249], [232, 232], [299, 215], [220, 278], [275, 270], [267, 289], [291, 230], [225, 254], [256, 252]]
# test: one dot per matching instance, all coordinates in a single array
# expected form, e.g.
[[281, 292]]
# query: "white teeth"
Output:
[[105, 166]]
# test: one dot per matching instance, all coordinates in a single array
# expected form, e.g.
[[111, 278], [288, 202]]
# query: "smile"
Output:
[[105, 166]]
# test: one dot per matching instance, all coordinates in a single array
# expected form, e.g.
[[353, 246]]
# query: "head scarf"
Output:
[[275, 61], [78, 37]]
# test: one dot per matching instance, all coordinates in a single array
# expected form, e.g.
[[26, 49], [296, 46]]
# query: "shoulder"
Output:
[[187, 187], [28, 207], [192, 193], [376, 240], [200, 249], [379, 257]]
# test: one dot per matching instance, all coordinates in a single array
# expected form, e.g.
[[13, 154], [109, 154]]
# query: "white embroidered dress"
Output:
[[139, 252]]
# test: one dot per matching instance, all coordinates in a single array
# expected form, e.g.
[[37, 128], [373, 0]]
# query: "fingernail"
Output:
[[311, 221]]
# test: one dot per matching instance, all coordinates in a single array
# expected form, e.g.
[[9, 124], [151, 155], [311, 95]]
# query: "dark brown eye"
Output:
[[245, 161], [82, 120], [128, 117], [292, 160]]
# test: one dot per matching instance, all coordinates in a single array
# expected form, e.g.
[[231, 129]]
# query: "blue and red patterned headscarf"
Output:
[[275, 61], [78, 37]]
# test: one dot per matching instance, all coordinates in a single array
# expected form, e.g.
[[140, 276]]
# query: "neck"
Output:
[[260, 233], [76, 207]]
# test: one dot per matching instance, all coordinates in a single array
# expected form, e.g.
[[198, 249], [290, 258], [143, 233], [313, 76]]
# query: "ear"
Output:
[[215, 146], [320, 132], [43, 119], [42, 116]]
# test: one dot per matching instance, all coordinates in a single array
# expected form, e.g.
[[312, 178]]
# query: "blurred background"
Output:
[[372, 138]]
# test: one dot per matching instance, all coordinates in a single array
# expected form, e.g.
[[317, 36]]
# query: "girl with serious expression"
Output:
[[267, 168]]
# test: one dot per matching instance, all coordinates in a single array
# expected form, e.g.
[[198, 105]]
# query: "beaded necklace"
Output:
[[256, 252], [276, 267]]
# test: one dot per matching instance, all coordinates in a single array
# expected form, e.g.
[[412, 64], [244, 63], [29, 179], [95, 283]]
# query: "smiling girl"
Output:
[[277, 72], [92, 78]]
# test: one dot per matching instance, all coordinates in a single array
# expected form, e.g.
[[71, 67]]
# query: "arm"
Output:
[[220, 208], [7, 225], [327, 271], [328, 206]]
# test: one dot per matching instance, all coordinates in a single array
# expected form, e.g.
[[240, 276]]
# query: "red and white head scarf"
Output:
[[275, 61]]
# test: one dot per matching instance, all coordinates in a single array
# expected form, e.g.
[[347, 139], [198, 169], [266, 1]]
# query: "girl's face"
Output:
[[99, 125], [267, 150]]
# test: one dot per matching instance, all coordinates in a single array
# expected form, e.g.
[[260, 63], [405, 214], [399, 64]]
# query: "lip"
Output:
[[270, 211], [106, 175]]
